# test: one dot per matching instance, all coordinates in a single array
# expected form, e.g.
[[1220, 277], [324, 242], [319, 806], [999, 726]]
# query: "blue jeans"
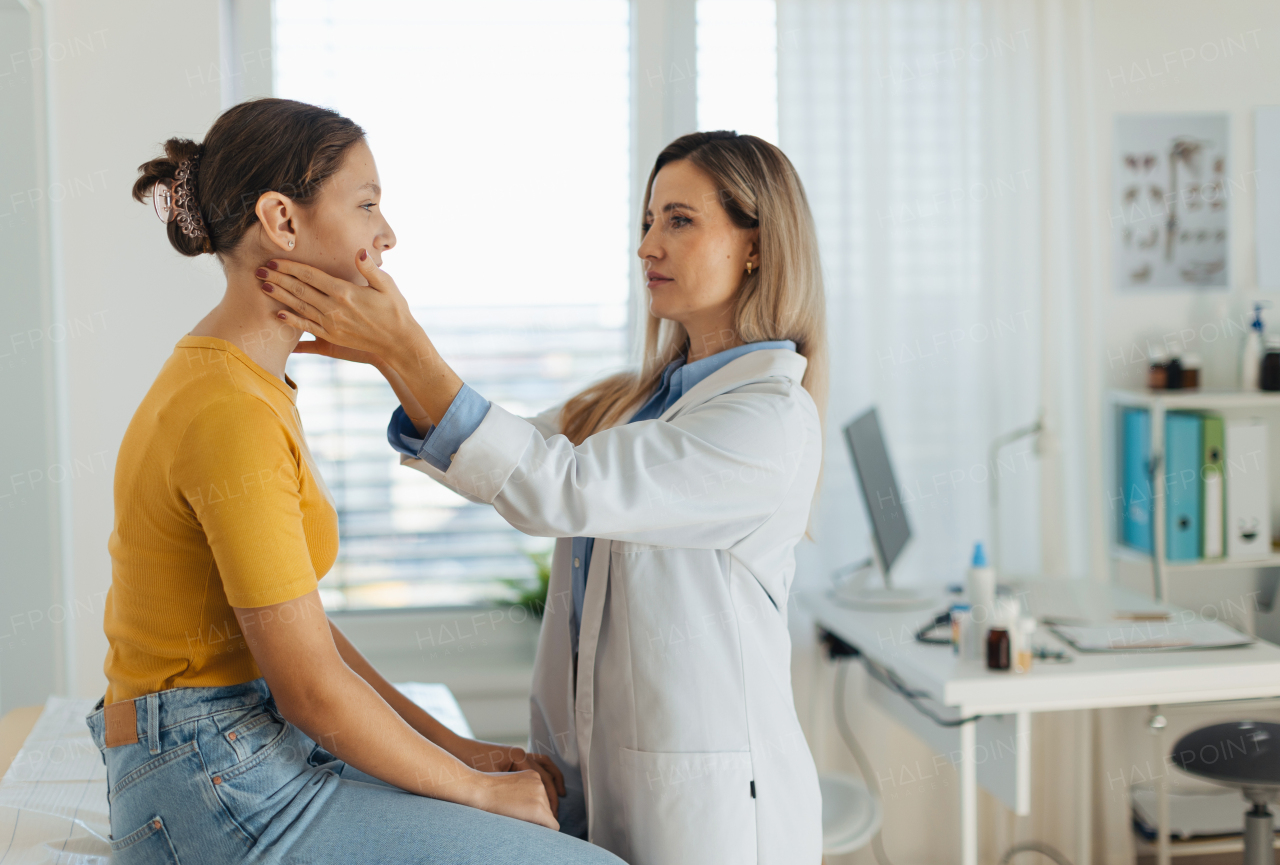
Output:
[[218, 776]]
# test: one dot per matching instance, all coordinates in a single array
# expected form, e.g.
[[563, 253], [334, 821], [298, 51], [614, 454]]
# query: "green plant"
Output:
[[533, 595]]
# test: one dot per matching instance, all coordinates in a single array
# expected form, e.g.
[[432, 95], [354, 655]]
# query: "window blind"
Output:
[[501, 133]]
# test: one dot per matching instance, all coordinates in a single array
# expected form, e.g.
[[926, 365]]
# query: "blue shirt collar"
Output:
[[680, 377]]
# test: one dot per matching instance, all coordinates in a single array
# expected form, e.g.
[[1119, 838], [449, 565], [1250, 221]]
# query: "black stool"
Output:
[[1244, 754]]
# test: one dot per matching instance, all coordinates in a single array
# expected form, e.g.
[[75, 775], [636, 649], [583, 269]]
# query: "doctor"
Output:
[[677, 493]]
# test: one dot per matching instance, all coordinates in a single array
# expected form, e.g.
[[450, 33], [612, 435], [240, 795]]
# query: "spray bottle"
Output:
[[980, 585], [1252, 350]]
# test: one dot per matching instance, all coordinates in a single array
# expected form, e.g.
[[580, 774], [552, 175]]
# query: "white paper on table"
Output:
[[437, 700], [1124, 636], [53, 799]]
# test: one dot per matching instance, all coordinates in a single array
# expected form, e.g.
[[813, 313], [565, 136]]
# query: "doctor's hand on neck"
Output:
[[374, 319]]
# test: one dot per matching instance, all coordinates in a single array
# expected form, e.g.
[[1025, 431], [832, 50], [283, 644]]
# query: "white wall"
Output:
[[1184, 43], [30, 365], [152, 74]]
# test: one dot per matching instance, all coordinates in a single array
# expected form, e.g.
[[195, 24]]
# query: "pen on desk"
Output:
[[1063, 620], [1158, 616]]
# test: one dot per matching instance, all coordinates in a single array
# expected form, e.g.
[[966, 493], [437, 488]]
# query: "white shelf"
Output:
[[1197, 399], [1129, 554], [1160, 403]]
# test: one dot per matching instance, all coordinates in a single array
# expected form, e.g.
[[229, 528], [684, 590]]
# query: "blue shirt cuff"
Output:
[[441, 442]]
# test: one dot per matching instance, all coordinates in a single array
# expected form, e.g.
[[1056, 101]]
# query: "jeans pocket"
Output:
[[147, 845], [145, 770], [253, 789], [254, 733]]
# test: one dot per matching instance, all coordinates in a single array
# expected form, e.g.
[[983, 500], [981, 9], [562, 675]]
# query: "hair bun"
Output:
[[164, 169], [256, 147]]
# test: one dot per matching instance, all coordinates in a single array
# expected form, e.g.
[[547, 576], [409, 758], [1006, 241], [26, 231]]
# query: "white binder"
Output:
[[1212, 514], [1248, 498]]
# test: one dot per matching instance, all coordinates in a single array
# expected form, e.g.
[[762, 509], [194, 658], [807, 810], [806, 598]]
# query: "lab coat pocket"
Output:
[[689, 807]]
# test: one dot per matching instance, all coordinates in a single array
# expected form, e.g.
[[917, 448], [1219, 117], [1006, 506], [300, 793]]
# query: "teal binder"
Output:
[[1184, 456], [1135, 499]]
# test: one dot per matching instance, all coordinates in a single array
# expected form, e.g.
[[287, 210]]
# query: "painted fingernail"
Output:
[[273, 265], [282, 316], [363, 255], [266, 287], [261, 273]]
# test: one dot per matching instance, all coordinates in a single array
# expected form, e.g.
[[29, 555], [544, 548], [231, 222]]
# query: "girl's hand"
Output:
[[488, 757], [339, 352], [519, 795], [373, 318]]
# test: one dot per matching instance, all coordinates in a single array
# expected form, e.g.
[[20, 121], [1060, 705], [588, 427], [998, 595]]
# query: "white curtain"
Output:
[[947, 151], [944, 151]]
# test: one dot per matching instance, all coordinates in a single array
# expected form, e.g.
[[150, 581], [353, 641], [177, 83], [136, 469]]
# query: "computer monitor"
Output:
[[889, 527]]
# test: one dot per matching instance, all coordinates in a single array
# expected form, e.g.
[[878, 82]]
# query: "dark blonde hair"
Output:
[[759, 188]]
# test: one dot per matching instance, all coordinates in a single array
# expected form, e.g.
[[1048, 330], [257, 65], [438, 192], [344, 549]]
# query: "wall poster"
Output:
[[1169, 211]]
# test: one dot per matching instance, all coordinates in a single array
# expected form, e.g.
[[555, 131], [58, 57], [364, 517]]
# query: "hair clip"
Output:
[[178, 201], [162, 199], [184, 199]]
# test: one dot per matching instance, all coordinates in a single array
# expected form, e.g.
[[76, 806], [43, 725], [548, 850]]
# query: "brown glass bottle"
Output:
[[998, 649]]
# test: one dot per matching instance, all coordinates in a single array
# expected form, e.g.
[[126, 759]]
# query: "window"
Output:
[[738, 67], [886, 118], [501, 131]]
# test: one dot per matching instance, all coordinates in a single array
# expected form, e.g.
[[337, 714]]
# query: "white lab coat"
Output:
[[683, 708]]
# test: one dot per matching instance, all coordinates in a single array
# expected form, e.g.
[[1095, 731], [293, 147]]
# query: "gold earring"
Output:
[[748, 268]]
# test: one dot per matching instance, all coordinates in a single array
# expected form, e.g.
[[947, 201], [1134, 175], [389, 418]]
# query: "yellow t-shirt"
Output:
[[217, 504]]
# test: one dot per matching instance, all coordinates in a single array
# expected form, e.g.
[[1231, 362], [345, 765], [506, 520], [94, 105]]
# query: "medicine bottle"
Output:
[[1022, 650], [998, 649], [959, 625]]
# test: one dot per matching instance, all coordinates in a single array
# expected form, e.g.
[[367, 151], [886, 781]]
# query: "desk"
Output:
[[1090, 681]]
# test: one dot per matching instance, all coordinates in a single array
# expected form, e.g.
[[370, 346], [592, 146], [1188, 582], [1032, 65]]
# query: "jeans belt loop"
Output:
[[153, 722]]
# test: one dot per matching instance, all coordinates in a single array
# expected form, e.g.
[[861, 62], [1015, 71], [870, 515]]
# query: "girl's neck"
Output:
[[246, 319]]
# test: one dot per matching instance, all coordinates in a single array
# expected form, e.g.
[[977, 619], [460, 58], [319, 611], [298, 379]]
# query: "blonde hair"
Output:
[[783, 299]]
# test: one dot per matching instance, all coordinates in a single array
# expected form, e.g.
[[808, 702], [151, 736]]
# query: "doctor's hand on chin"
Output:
[[367, 324], [368, 319]]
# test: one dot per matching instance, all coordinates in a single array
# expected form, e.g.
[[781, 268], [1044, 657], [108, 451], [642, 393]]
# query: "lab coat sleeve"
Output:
[[547, 422], [705, 479]]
